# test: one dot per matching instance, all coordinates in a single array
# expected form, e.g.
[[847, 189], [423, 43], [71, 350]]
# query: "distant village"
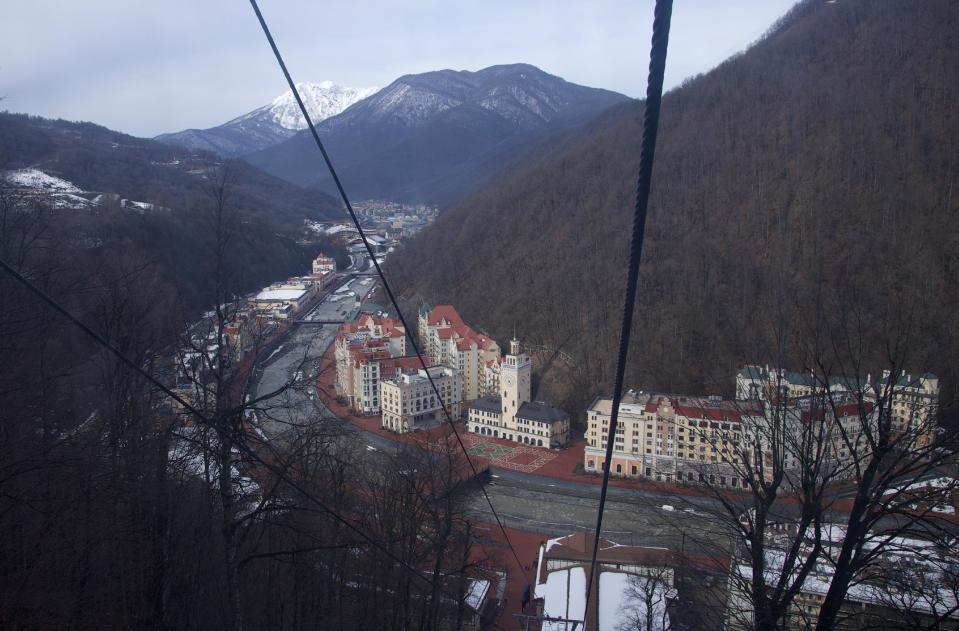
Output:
[[384, 223]]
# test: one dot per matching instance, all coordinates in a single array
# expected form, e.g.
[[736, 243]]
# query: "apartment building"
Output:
[[697, 439], [409, 402], [510, 413], [911, 400], [490, 383], [323, 263], [670, 437], [366, 351], [448, 341]]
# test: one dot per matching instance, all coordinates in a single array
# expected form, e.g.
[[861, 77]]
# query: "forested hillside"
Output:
[[804, 197], [176, 185]]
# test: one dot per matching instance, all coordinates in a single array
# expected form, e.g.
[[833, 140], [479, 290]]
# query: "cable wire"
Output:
[[654, 97], [379, 271], [241, 445]]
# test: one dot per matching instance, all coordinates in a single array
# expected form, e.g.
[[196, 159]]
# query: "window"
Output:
[[634, 469]]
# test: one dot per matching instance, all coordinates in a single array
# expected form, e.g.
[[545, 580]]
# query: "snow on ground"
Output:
[[936, 483], [37, 179], [68, 200]]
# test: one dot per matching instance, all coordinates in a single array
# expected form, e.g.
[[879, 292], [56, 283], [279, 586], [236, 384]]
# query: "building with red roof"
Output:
[[708, 439], [323, 263], [365, 351], [448, 341]]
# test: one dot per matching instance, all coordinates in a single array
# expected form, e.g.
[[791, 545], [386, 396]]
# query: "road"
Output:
[[297, 361], [523, 501]]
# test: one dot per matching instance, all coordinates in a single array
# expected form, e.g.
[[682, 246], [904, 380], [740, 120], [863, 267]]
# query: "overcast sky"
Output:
[[151, 66]]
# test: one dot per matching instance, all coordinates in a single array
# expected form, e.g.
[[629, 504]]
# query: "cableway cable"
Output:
[[241, 445], [654, 97], [379, 271]]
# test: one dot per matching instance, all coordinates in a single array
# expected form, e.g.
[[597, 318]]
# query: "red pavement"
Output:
[[498, 556]]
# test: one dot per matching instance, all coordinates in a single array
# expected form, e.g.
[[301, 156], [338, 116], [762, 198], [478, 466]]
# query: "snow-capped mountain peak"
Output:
[[322, 100], [272, 123]]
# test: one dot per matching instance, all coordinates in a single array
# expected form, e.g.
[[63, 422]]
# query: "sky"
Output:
[[146, 67]]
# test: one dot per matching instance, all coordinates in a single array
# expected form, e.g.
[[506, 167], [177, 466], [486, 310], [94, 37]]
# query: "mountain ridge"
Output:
[[270, 123], [396, 143]]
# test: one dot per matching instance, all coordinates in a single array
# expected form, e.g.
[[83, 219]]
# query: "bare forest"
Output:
[[814, 173]]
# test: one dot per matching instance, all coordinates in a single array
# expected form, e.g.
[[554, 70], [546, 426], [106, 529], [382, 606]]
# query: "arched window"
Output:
[[539, 443]]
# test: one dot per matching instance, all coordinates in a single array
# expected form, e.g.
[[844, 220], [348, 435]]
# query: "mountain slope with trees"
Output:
[[115, 168], [804, 195]]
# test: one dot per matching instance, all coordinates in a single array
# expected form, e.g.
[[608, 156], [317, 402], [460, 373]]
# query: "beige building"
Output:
[[409, 402], [323, 263], [696, 439], [364, 351], [490, 383], [448, 341], [670, 437], [511, 415], [912, 399]]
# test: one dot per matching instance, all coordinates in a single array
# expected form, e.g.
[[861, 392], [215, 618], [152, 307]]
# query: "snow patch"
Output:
[[38, 180]]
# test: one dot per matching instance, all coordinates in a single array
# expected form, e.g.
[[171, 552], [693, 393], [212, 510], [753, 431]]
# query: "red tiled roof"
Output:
[[406, 364], [444, 312]]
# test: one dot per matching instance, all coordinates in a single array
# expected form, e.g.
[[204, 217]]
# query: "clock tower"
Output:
[[515, 376]]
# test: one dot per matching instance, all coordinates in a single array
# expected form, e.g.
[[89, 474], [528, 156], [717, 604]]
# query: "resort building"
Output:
[[323, 263], [909, 583], [706, 439], [670, 437], [366, 351], [409, 402], [912, 400], [285, 300], [511, 415], [448, 341], [489, 385]]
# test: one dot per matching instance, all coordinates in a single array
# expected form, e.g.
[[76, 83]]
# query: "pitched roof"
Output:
[[491, 403], [444, 312], [538, 411]]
